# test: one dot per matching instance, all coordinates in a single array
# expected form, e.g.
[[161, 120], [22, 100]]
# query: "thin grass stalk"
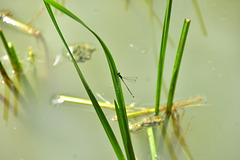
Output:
[[124, 128], [178, 133], [183, 104], [20, 73], [11, 87], [121, 126], [31, 60], [154, 15], [64, 98], [200, 18], [16, 65], [13, 58], [152, 143], [127, 4], [162, 55], [25, 27], [167, 139], [98, 109], [6, 103], [177, 64], [8, 81], [6, 17]]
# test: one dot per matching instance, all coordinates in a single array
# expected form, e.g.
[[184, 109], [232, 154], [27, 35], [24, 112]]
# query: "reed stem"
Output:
[[152, 143], [162, 55], [177, 64]]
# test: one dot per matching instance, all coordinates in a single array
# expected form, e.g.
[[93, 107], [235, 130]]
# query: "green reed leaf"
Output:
[[162, 55], [177, 64]]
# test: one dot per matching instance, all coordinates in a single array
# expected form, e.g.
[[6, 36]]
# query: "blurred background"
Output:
[[132, 31]]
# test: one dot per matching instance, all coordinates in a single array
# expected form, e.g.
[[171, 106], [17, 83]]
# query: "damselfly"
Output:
[[133, 79]]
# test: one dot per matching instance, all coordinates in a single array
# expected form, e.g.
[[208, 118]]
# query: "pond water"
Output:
[[131, 30]]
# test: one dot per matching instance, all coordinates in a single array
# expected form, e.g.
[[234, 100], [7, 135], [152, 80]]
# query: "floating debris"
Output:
[[81, 51], [144, 123], [5, 16]]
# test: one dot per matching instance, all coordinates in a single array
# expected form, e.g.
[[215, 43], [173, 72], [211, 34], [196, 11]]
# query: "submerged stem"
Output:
[[152, 143]]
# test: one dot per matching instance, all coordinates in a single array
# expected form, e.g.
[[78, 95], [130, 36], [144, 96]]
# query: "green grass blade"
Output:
[[177, 64], [20, 73], [13, 57], [16, 65], [162, 55], [98, 109], [152, 145], [11, 85], [123, 130], [115, 78], [8, 81]]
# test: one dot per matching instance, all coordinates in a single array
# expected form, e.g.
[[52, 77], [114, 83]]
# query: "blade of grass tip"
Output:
[[12, 55], [177, 64], [34, 75], [180, 138], [14, 58], [116, 80], [162, 55], [98, 109], [20, 73], [13, 61], [16, 65]]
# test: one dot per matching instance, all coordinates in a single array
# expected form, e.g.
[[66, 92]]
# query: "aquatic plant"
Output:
[[18, 84], [120, 104], [120, 107]]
